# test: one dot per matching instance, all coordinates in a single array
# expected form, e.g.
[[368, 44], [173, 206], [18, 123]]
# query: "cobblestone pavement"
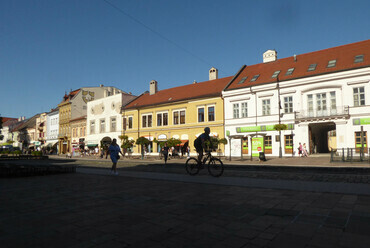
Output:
[[88, 210]]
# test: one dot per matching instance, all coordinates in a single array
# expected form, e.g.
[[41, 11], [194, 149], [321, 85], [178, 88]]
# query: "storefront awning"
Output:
[[183, 142], [92, 145]]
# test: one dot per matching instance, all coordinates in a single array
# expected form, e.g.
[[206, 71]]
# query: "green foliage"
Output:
[[36, 153], [279, 127], [222, 141], [142, 141], [172, 142], [126, 143], [17, 152]]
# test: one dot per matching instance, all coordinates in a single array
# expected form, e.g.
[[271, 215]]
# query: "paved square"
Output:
[[85, 210]]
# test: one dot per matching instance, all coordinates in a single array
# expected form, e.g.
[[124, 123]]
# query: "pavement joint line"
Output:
[[312, 186]]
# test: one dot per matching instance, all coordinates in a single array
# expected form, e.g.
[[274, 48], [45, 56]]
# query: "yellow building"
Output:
[[181, 112], [64, 136]]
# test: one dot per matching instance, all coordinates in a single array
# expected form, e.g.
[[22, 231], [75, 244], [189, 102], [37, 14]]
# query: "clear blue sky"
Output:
[[50, 47]]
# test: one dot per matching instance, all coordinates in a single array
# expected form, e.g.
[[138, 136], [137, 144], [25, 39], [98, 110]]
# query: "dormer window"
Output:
[[242, 80], [289, 71], [359, 58], [332, 63], [255, 77], [312, 67], [276, 73]]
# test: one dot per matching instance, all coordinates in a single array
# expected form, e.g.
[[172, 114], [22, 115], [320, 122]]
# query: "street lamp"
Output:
[[280, 149]]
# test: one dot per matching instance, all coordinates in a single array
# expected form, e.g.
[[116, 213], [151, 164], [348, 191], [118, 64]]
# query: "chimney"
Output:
[[295, 58], [194, 82], [153, 87], [213, 73], [101, 85], [269, 56]]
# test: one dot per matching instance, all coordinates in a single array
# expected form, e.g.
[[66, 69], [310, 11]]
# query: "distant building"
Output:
[[74, 106], [104, 119], [52, 130]]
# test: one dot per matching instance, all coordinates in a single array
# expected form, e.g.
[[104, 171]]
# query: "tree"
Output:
[[126, 143], [222, 141], [143, 142], [172, 142]]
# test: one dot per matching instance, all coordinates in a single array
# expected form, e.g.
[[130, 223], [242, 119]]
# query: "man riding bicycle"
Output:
[[199, 143]]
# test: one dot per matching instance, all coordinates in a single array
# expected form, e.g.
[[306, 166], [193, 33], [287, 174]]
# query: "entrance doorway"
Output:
[[318, 135]]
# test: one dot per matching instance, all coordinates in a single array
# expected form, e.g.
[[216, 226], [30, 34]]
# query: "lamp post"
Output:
[[280, 149]]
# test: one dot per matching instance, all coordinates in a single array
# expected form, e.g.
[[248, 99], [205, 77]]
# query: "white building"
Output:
[[104, 119], [52, 128], [324, 100]]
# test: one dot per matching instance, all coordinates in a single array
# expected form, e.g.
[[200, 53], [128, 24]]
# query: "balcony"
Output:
[[341, 112]]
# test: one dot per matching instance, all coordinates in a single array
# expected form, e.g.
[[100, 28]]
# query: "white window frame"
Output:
[[214, 112], [236, 111], [204, 114], [92, 127], [266, 107], [178, 111], [358, 95], [147, 123], [162, 119], [100, 126], [244, 109], [115, 124], [288, 104]]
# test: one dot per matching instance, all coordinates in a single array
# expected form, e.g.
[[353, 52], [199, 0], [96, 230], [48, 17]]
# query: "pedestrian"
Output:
[[188, 151], [114, 151], [304, 152], [165, 152], [300, 148]]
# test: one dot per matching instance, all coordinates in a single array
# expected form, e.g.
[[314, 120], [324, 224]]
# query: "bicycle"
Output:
[[215, 165]]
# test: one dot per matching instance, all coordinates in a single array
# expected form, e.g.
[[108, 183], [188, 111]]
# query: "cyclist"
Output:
[[199, 143]]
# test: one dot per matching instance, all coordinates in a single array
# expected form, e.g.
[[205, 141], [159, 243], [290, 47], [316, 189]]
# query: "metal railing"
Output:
[[350, 155], [315, 113]]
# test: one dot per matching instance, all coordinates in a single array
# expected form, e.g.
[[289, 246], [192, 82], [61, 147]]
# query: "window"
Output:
[[359, 58], [255, 77], [242, 80], [359, 96], [276, 73], [310, 104], [289, 71], [332, 63], [236, 110], [200, 114], [321, 104], [358, 141], [289, 143], [179, 117], [182, 117], [162, 119], [266, 108], [176, 118], [333, 103], [244, 109], [130, 122], [268, 145], [102, 126], [146, 120], [113, 124], [288, 104], [92, 127], [312, 67], [211, 113]]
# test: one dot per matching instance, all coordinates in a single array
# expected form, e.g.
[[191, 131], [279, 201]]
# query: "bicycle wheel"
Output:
[[215, 167], [192, 166]]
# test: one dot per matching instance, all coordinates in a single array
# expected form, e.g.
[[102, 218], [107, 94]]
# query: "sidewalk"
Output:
[[316, 160]]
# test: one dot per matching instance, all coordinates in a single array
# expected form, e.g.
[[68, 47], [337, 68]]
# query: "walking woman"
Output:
[[165, 152], [114, 151]]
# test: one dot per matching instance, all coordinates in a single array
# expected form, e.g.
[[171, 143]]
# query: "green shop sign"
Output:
[[361, 121], [260, 128]]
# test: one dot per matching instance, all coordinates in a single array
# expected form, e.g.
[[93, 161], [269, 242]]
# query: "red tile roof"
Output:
[[210, 88], [68, 97], [5, 119], [344, 56]]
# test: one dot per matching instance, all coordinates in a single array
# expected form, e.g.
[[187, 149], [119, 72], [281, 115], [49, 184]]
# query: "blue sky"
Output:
[[50, 47]]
